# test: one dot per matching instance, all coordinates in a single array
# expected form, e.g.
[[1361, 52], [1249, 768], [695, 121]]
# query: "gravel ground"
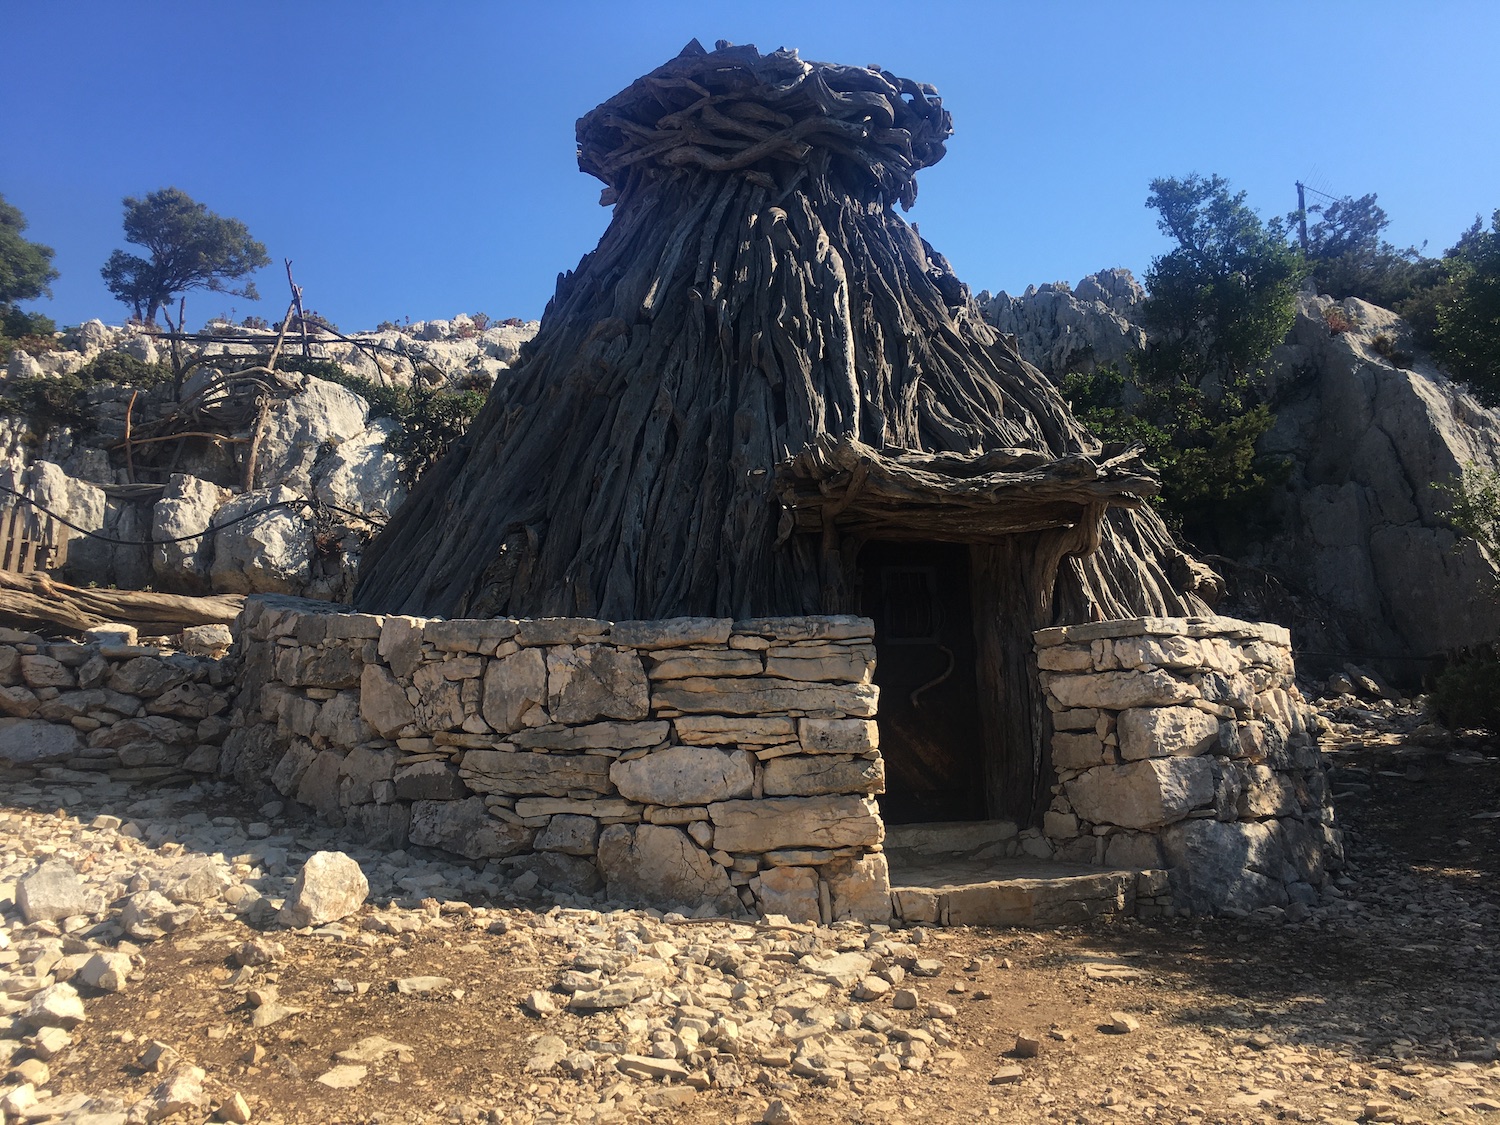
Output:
[[450, 997]]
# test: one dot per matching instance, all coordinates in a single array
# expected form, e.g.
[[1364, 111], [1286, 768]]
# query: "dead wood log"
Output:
[[34, 601]]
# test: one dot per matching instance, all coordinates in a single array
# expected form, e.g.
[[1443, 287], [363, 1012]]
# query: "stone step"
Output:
[[951, 891], [957, 837]]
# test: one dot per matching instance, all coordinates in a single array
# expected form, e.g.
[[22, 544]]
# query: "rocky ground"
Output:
[[159, 977]]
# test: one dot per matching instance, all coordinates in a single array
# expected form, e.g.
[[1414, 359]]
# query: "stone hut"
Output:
[[765, 395]]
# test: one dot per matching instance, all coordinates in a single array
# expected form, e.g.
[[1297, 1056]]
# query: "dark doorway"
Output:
[[930, 735]]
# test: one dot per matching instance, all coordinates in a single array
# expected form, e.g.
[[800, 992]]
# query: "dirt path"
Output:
[[1384, 1006]]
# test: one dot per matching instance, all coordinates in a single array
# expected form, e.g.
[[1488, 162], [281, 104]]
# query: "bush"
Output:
[[1466, 694], [125, 370], [64, 400]]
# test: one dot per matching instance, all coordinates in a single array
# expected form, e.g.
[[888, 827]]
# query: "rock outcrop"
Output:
[[1372, 430]]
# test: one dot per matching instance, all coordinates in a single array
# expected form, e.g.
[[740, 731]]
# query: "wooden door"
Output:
[[918, 596]]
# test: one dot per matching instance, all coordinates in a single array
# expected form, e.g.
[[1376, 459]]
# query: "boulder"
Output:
[[361, 474], [329, 887], [1144, 794], [295, 434], [148, 915], [661, 866], [51, 891], [383, 703], [186, 507], [570, 834], [1216, 864], [268, 552], [523, 774], [860, 888], [685, 775]]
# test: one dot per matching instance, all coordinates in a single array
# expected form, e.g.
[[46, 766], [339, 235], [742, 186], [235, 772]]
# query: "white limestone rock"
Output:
[[330, 886], [685, 775]]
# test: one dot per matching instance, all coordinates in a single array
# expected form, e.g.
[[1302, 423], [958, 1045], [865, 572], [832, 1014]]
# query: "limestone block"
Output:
[[1164, 732], [189, 701], [796, 822], [429, 781], [809, 775], [685, 775], [1144, 794], [861, 888], [1059, 825], [1065, 658], [722, 730], [1264, 792], [1078, 751], [1158, 652], [515, 691], [338, 720], [792, 891], [1083, 718], [558, 871], [661, 866], [594, 736], [1117, 691], [466, 828], [337, 666], [362, 767], [51, 891], [42, 671], [1217, 864], [401, 644], [287, 775], [595, 682], [759, 696], [319, 787], [479, 636], [677, 632], [829, 627], [440, 706], [559, 630], [606, 808], [854, 664], [520, 774], [678, 664], [573, 835], [838, 736], [1134, 850], [144, 676], [382, 702], [32, 742], [379, 826]]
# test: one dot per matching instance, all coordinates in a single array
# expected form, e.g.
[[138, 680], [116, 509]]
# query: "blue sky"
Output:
[[418, 159]]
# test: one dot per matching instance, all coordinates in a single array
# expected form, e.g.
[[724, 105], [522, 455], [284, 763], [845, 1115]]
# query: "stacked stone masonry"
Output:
[[1183, 744], [68, 710], [717, 765]]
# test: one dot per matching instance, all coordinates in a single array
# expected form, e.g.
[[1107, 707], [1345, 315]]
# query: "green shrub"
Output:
[[126, 371], [1466, 694], [47, 402]]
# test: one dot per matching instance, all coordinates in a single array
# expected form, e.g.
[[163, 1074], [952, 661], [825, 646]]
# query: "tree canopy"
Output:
[[25, 273], [1468, 315], [1347, 256], [190, 248], [1218, 302]]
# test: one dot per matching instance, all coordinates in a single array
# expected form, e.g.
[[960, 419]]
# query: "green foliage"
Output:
[[125, 370], [1348, 258], [1468, 315], [1474, 506], [25, 267], [1466, 694], [1227, 294], [190, 248], [64, 400], [430, 419], [1219, 302]]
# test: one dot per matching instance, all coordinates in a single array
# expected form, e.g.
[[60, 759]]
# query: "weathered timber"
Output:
[[756, 309], [34, 601]]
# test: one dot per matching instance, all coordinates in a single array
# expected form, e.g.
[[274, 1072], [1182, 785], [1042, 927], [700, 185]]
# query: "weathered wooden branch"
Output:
[[34, 601]]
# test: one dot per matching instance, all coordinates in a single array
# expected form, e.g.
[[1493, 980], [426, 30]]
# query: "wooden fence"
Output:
[[30, 540]]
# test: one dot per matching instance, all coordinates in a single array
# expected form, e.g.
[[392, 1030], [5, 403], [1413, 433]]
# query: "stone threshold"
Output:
[[955, 874]]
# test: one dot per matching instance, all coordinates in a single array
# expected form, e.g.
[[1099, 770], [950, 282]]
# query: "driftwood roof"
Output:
[[756, 312]]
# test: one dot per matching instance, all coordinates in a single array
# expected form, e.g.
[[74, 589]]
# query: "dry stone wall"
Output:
[[713, 764], [130, 711], [1184, 744]]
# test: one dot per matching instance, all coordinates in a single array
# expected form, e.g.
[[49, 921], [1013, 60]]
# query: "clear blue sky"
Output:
[[417, 159]]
